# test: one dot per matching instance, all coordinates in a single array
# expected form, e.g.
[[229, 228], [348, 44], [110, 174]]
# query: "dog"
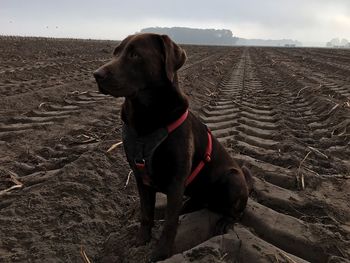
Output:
[[168, 148]]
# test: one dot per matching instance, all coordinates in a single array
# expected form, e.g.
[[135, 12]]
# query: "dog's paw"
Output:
[[159, 254], [224, 225], [161, 251]]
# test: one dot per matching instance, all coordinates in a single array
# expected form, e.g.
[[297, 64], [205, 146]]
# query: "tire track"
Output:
[[313, 121], [56, 75], [49, 114], [244, 117], [326, 79], [57, 154], [49, 65]]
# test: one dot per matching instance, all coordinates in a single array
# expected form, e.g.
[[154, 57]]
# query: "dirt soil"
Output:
[[284, 112]]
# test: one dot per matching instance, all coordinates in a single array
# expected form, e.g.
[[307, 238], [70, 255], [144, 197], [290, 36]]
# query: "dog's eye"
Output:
[[134, 55]]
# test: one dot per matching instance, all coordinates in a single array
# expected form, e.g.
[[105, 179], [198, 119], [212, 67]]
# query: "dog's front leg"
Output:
[[174, 204], [147, 201]]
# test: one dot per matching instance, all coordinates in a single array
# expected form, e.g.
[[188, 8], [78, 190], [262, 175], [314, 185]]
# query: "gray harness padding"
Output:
[[140, 149]]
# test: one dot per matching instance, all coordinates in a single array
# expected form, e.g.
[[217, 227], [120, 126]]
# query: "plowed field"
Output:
[[283, 112]]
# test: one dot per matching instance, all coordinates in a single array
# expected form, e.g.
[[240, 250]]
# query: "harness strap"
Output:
[[141, 164], [207, 159], [142, 168]]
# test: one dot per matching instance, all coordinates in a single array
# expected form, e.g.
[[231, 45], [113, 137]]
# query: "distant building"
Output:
[[290, 45]]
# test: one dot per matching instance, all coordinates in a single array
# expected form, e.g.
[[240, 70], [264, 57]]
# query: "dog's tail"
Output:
[[248, 178]]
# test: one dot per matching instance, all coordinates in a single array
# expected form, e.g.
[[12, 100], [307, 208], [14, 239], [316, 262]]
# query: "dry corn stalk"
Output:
[[317, 151], [335, 106], [114, 146], [84, 256], [14, 179], [300, 176], [288, 258], [128, 179]]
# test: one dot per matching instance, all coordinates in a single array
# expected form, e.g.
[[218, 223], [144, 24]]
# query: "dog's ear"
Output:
[[122, 44], [174, 55]]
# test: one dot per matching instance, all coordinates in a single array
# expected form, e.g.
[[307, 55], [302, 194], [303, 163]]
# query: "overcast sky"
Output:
[[312, 21]]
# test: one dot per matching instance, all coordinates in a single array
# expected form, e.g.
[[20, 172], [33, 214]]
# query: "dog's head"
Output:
[[140, 62]]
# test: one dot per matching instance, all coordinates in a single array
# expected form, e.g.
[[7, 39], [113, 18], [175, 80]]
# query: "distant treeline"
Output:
[[336, 42], [195, 36], [222, 37]]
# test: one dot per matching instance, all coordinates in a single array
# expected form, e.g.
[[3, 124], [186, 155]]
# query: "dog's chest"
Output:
[[139, 150]]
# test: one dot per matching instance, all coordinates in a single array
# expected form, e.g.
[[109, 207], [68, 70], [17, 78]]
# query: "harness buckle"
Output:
[[140, 164], [207, 158]]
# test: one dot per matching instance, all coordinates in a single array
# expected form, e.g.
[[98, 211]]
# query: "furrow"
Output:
[[249, 119]]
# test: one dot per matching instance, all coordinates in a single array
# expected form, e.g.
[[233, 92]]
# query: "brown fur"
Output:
[[143, 70]]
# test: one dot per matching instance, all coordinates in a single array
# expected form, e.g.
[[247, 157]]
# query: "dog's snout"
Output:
[[100, 74]]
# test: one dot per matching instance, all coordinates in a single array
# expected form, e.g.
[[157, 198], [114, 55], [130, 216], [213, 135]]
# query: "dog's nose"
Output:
[[100, 74]]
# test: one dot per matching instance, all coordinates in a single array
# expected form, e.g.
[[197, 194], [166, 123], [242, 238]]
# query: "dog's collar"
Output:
[[171, 127]]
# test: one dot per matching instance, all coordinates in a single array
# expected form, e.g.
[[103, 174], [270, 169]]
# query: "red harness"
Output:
[[206, 159], [207, 156]]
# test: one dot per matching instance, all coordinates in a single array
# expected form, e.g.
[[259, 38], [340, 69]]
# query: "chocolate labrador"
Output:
[[167, 147]]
